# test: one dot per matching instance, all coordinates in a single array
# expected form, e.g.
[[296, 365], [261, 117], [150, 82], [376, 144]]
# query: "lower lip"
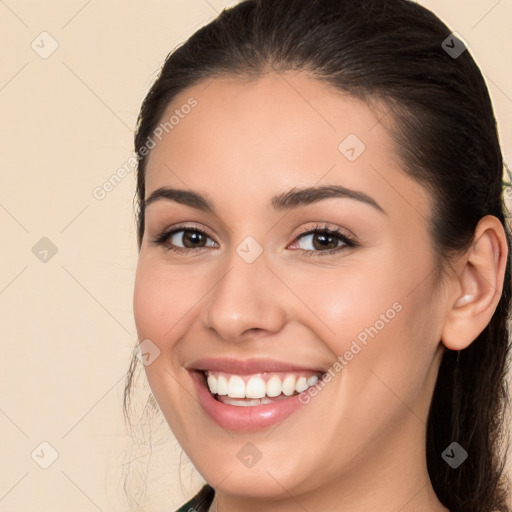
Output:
[[232, 417]]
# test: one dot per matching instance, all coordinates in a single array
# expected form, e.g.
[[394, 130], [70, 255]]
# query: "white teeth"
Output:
[[234, 386], [312, 380], [255, 388], [302, 385], [247, 403], [289, 385], [212, 384], [222, 385], [274, 387]]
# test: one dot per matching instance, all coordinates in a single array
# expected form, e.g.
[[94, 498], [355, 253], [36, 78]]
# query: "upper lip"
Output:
[[246, 366]]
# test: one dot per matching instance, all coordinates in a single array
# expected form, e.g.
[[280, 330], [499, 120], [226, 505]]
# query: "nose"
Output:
[[246, 301]]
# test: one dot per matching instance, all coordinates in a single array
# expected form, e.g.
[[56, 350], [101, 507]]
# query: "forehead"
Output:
[[268, 116], [243, 138]]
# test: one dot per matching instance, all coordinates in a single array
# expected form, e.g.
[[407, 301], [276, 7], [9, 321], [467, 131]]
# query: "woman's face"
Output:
[[253, 297]]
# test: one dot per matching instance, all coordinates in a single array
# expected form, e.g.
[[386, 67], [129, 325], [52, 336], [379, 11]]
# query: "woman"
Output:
[[323, 285]]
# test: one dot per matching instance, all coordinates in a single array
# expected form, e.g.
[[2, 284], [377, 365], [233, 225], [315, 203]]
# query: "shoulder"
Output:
[[200, 502]]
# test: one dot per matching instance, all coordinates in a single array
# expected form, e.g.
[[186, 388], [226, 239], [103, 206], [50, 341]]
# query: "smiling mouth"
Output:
[[249, 390]]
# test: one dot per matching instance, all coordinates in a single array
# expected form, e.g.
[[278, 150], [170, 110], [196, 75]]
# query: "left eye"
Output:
[[322, 240]]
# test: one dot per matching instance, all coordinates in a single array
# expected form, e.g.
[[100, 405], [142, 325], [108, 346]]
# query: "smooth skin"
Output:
[[359, 445]]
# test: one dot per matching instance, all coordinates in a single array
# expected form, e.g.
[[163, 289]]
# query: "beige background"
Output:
[[67, 324]]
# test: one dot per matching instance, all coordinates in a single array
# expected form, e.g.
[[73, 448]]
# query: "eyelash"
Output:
[[348, 241]]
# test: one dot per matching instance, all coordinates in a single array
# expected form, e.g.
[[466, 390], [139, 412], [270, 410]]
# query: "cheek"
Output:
[[159, 303], [379, 313], [346, 304], [149, 303], [162, 300]]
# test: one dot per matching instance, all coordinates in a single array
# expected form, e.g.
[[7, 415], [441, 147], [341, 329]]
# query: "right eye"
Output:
[[191, 238]]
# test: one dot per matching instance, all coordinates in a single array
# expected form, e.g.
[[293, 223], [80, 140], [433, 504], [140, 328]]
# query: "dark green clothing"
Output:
[[201, 502]]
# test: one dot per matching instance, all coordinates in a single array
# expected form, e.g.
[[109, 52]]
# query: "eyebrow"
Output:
[[286, 201]]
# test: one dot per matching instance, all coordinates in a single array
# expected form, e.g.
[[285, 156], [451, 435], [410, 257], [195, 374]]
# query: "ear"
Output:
[[477, 286]]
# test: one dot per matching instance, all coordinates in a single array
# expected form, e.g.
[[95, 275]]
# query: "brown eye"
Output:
[[191, 239], [323, 240], [183, 240]]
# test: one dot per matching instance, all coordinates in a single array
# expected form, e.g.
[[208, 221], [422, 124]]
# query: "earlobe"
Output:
[[477, 285]]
